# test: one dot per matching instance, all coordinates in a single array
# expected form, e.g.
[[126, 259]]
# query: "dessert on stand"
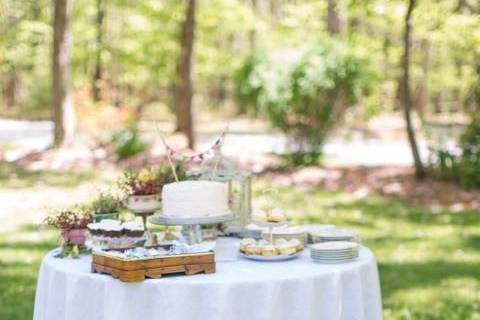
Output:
[[192, 204], [112, 234], [271, 248]]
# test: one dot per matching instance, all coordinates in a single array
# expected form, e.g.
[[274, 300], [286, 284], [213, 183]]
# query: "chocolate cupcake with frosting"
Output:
[[133, 229]]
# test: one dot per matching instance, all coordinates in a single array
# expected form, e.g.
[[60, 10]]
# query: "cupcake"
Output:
[[245, 243], [111, 228], [277, 215], [259, 216], [263, 243], [95, 229], [133, 229], [280, 242], [286, 248], [269, 250], [252, 249], [297, 244]]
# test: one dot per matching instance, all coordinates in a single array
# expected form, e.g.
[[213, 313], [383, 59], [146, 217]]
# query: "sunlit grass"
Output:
[[16, 177], [20, 256]]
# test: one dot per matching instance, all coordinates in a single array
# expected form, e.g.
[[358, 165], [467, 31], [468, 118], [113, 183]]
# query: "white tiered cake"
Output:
[[194, 199]]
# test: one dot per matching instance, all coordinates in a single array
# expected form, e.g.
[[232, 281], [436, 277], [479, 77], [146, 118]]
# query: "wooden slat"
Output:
[[137, 270]]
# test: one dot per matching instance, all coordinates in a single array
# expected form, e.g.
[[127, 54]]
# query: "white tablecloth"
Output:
[[239, 290]]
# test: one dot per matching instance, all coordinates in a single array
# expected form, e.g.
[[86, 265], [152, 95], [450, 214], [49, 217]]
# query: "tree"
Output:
[[423, 97], [183, 85], [63, 111], [407, 99], [97, 74], [336, 16]]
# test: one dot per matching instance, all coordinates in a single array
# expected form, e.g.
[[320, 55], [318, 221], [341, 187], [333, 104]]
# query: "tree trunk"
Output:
[[12, 83], [336, 16], [97, 74], [423, 97], [252, 34], [63, 111], [183, 86], [407, 100]]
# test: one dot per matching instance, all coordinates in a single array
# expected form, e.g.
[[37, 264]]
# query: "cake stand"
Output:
[[270, 226], [192, 226]]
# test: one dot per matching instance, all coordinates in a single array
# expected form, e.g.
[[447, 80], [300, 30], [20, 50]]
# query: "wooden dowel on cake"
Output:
[[174, 171]]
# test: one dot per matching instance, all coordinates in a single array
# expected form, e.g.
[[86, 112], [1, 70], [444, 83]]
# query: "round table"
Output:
[[240, 289]]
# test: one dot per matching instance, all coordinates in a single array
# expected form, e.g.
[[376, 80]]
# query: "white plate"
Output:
[[281, 257], [334, 233], [333, 250], [333, 257], [334, 261], [317, 240], [335, 246]]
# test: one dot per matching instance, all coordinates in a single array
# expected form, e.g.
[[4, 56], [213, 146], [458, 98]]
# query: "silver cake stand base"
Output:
[[191, 226]]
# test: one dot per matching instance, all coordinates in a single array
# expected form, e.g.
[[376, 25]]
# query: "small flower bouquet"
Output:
[[73, 225], [106, 206], [143, 187]]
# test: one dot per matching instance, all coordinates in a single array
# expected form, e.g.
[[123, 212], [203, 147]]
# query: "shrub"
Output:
[[469, 164], [106, 203], [304, 93], [127, 143], [462, 166]]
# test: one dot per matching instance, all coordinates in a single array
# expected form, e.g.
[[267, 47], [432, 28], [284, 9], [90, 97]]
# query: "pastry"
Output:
[[113, 230], [269, 250], [280, 242], [262, 243], [251, 249], [259, 216], [297, 244], [276, 215], [246, 242], [286, 248], [133, 229]]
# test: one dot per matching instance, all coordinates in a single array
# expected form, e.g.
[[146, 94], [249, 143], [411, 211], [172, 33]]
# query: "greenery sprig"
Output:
[[148, 181]]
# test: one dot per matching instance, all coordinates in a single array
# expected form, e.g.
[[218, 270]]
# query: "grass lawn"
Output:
[[429, 262]]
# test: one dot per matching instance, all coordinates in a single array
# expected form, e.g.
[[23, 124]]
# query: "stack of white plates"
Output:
[[287, 233], [334, 252], [334, 234], [310, 229]]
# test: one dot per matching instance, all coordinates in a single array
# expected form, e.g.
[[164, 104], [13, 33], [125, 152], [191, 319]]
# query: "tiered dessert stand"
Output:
[[191, 226], [270, 226]]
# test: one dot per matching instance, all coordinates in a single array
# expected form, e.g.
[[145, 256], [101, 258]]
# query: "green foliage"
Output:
[[128, 143], [462, 166], [106, 203], [304, 93], [469, 166], [300, 159]]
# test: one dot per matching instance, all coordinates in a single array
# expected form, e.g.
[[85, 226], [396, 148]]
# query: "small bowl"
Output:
[[143, 204]]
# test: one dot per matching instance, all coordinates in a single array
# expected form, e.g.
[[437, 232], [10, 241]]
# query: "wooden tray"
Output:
[[134, 270]]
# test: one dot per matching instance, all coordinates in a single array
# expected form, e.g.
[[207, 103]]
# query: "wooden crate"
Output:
[[138, 269]]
